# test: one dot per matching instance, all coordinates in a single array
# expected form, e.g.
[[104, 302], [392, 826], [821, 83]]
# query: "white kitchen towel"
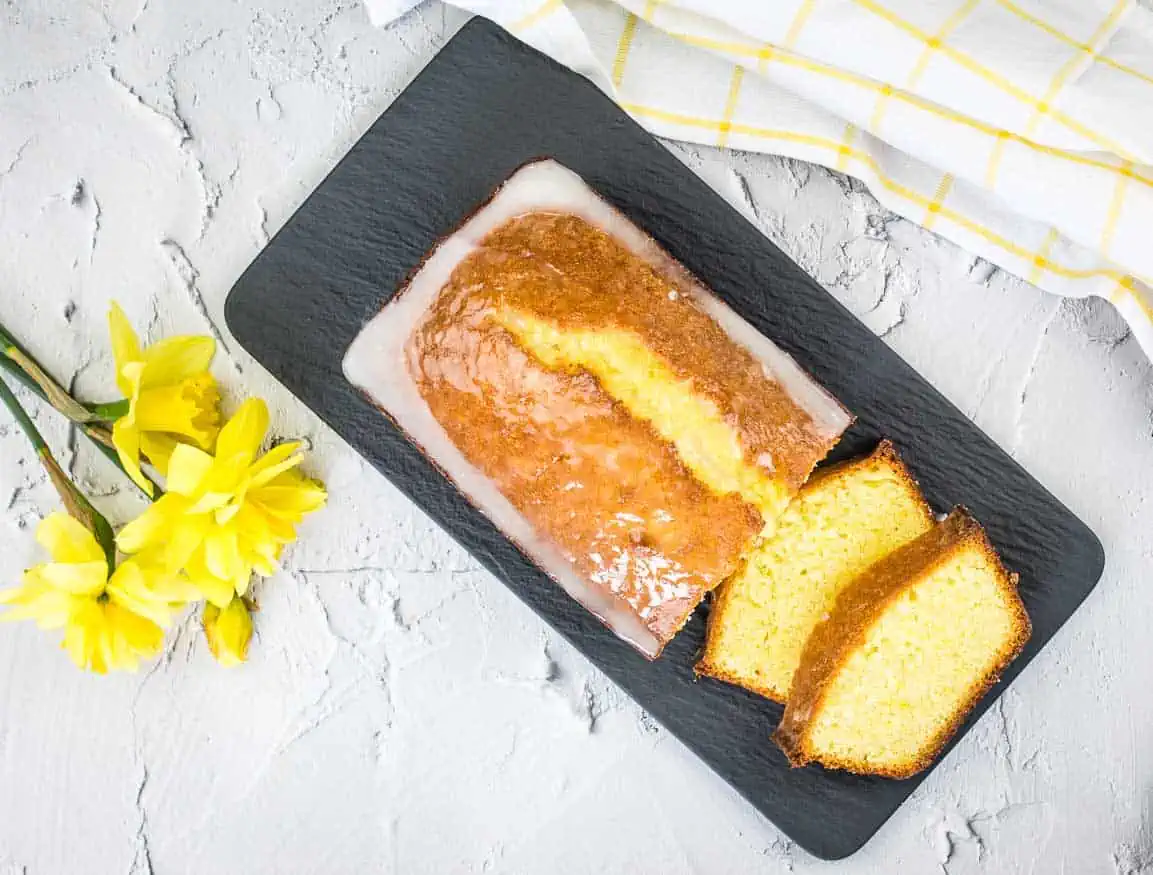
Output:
[[1021, 130]]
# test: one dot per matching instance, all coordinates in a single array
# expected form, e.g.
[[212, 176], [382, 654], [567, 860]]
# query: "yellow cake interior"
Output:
[[633, 374], [842, 521], [918, 667]]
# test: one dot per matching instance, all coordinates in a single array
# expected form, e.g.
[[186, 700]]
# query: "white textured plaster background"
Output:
[[401, 711]]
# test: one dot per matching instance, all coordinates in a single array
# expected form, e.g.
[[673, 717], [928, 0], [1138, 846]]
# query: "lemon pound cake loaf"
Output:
[[845, 518], [612, 416], [909, 648]]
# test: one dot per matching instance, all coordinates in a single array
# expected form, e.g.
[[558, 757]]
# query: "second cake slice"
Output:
[[845, 519], [908, 649]]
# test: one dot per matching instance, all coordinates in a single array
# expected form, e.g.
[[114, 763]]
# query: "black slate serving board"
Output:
[[484, 106]]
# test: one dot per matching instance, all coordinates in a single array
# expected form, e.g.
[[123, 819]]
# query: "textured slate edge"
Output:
[[483, 106]]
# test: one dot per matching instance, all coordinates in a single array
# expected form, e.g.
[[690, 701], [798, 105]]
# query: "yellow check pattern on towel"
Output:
[[1021, 130]]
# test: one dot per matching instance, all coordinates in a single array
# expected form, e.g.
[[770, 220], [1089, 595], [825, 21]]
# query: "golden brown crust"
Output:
[[602, 485], [564, 270], [885, 452], [859, 607]]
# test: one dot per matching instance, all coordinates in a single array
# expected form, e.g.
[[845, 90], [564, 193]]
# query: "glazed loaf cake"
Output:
[[613, 417]]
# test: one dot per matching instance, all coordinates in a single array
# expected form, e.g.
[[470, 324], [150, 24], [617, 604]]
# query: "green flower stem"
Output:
[[22, 419], [110, 411], [93, 419], [18, 373], [52, 391], [74, 500]]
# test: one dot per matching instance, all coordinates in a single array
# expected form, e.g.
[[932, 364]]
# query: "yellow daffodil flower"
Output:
[[172, 398], [228, 631], [110, 621], [228, 515]]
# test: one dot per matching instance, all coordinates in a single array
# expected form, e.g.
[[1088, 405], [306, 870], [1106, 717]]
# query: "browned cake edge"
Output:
[[707, 664], [860, 606]]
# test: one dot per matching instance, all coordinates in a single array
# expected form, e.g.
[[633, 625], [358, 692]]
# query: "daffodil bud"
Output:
[[228, 631]]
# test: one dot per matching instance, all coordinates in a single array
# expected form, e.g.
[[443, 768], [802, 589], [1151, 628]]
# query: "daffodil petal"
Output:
[[263, 478], [134, 636], [217, 591], [126, 439], [134, 588], [229, 477], [143, 530], [258, 529], [120, 654], [277, 460], [176, 358], [157, 577], [226, 514], [103, 636], [79, 578], [153, 525], [76, 644], [48, 608], [178, 590], [125, 343], [290, 502], [67, 540], [128, 376], [213, 589], [86, 627], [210, 502], [243, 581], [49, 611], [188, 468], [184, 540], [188, 408], [157, 448], [128, 576], [158, 612], [243, 434], [222, 553], [265, 566]]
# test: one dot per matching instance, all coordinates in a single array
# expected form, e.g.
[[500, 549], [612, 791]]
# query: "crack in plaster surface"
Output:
[[170, 121], [17, 158], [189, 276], [1030, 372]]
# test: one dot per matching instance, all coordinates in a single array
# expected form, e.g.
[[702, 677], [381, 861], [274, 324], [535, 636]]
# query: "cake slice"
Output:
[[845, 518], [911, 645], [615, 419]]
